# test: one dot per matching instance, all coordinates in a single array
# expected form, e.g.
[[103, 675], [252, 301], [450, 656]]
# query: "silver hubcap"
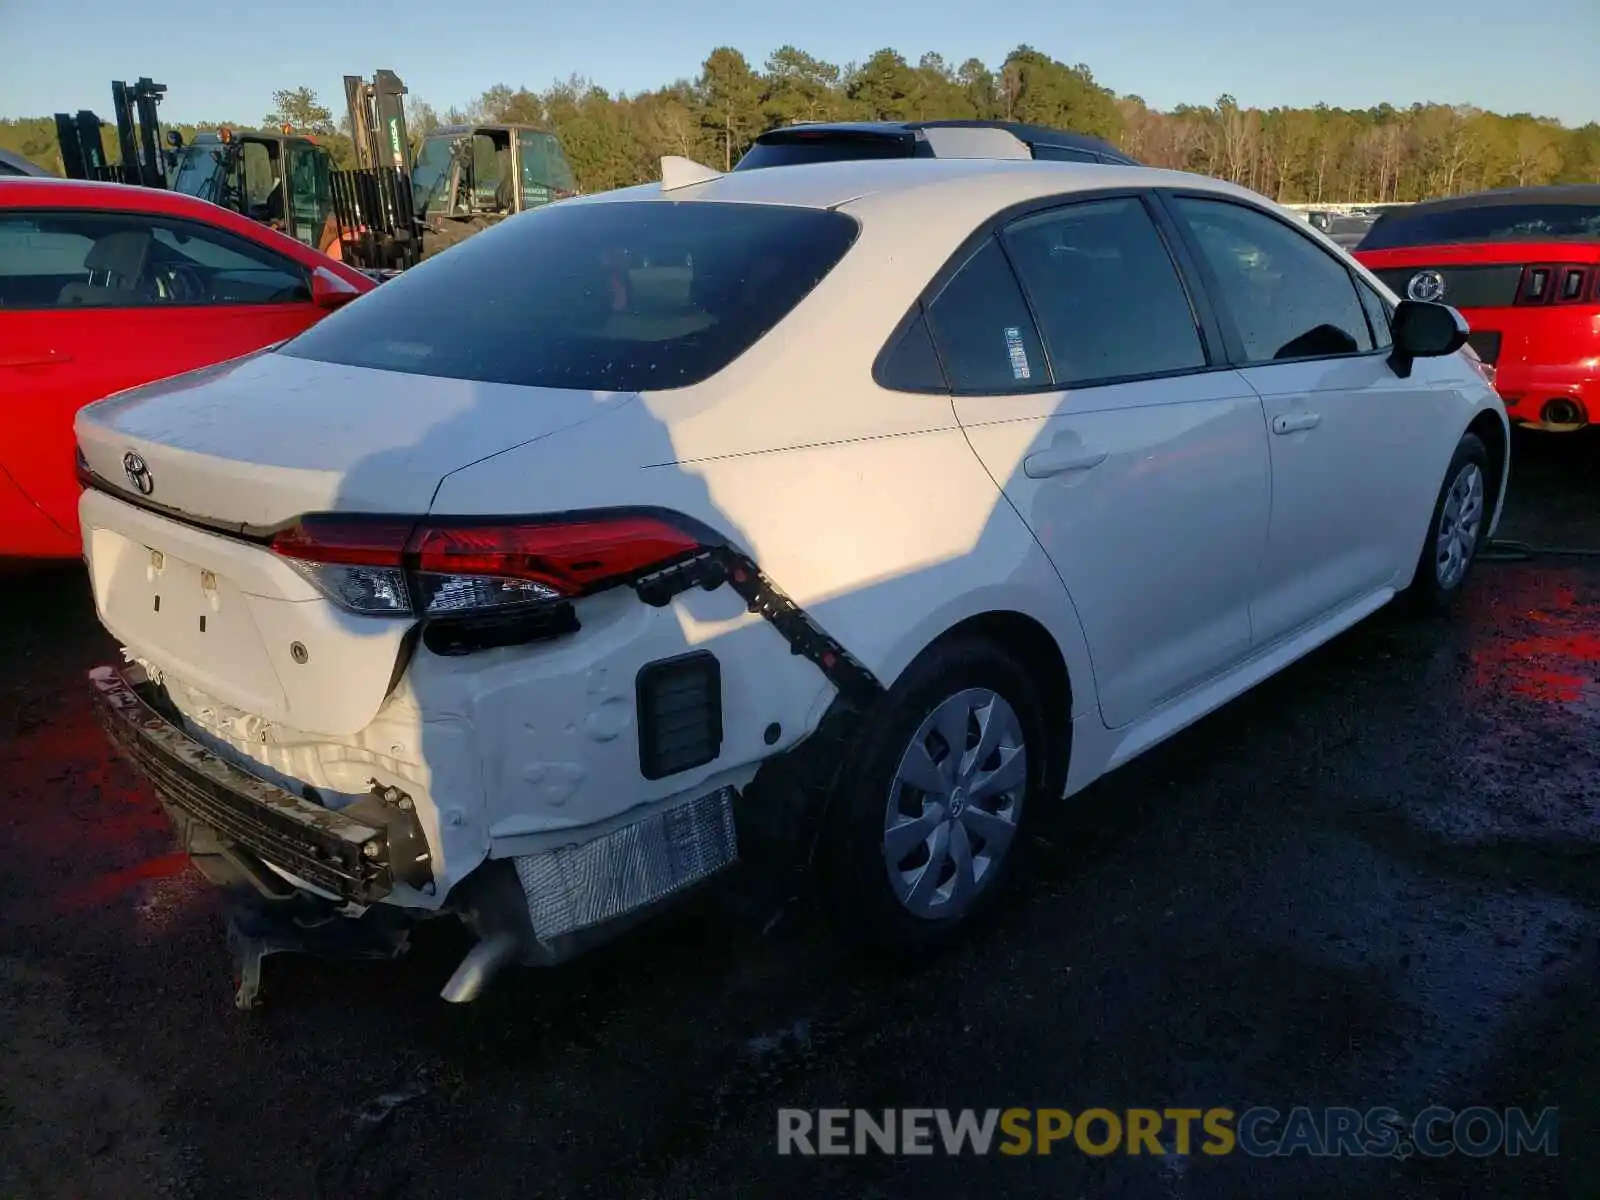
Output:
[[954, 804], [1459, 526]]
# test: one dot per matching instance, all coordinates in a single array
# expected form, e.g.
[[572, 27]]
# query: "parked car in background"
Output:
[[864, 506], [104, 286], [12, 163], [829, 141], [1523, 266]]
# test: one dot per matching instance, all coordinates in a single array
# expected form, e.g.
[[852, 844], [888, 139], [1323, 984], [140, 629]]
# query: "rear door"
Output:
[[70, 334], [1140, 466], [1345, 429]]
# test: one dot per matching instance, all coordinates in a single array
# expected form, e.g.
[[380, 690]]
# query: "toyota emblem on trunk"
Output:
[[138, 473], [1426, 286]]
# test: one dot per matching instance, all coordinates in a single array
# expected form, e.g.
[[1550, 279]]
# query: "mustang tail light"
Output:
[[389, 566], [1559, 283]]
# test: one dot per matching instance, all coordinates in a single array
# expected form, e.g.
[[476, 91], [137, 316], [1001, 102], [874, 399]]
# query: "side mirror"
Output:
[[1423, 330], [329, 291]]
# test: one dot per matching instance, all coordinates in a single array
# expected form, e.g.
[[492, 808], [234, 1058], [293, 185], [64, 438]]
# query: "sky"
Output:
[[1349, 53]]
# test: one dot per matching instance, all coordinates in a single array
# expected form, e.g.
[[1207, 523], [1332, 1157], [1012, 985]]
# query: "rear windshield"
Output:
[[792, 151], [1490, 223], [621, 296]]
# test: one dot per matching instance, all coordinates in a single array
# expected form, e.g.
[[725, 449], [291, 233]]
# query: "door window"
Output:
[[983, 330], [1063, 154], [310, 193], [127, 260], [546, 175], [1108, 298], [1378, 315], [1288, 298]]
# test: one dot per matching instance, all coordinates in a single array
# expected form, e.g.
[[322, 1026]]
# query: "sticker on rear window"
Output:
[[1019, 356]]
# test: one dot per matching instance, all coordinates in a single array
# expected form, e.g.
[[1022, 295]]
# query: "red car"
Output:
[[1523, 266], [105, 286]]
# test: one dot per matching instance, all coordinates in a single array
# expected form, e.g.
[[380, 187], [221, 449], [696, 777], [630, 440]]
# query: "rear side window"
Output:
[[984, 332], [1485, 223], [912, 364], [90, 258], [1064, 154], [1107, 295], [625, 296], [833, 147]]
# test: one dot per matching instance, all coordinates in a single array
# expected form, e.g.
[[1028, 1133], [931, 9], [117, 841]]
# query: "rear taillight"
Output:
[[1558, 283], [453, 567]]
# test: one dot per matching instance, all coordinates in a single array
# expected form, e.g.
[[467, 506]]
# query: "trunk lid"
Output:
[[260, 440], [255, 443]]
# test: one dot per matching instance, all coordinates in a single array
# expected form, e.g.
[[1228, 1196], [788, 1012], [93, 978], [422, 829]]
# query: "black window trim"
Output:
[[1212, 338], [156, 219], [1233, 343]]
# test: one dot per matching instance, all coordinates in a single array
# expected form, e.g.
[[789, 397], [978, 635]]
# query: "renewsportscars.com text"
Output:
[[1258, 1131]]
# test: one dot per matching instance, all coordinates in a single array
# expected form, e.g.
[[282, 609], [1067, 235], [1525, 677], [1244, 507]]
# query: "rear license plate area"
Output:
[[182, 614]]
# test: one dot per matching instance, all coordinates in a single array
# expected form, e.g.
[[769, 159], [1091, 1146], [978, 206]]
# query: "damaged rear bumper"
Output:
[[254, 820], [540, 908]]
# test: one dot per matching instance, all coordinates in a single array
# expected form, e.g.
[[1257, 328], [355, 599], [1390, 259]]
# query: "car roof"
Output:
[[20, 191], [963, 184], [1563, 193], [1022, 131], [20, 167]]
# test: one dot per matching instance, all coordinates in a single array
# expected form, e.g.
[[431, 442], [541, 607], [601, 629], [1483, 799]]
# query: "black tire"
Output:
[[1429, 592], [853, 877]]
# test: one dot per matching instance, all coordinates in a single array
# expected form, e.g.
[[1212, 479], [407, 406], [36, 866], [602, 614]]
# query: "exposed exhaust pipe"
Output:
[[482, 963], [1562, 414], [493, 906]]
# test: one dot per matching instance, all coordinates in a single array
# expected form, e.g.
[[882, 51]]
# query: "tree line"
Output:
[[1304, 155]]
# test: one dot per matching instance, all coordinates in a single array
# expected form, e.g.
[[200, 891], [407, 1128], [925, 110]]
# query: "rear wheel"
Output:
[[927, 820], [1456, 532]]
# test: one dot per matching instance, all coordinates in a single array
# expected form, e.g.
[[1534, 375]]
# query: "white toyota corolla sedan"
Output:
[[840, 516]]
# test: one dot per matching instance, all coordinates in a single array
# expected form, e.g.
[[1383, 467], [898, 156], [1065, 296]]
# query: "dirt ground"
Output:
[[1371, 882]]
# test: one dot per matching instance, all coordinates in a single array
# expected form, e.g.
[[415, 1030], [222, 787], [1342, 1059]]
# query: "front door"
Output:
[[1140, 467], [1340, 419]]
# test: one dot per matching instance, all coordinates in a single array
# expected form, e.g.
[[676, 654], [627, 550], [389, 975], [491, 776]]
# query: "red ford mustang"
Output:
[[104, 286], [1523, 266]]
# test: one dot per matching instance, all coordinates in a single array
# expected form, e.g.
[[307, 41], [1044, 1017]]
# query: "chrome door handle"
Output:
[[1058, 462], [1296, 422]]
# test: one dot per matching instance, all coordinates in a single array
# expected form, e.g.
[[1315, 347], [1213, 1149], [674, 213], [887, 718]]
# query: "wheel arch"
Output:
[[1492, 429], [1035, 648]]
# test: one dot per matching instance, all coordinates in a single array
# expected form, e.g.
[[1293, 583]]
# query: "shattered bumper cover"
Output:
[[328, 850]]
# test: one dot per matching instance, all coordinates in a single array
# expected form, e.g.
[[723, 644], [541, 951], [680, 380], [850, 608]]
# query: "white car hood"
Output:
[[259, 440]]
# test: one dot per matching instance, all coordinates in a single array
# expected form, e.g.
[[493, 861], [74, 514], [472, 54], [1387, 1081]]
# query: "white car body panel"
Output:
[[257, 608], [1196, 558], [962, 141], [1330, 542], [1165, 604]]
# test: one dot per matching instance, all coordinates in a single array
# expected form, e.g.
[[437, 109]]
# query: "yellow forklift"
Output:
[[395, 209], [278, 178]]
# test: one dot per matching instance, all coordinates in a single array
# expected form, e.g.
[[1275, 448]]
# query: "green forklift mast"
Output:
[[372, 201], [138, 138]]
